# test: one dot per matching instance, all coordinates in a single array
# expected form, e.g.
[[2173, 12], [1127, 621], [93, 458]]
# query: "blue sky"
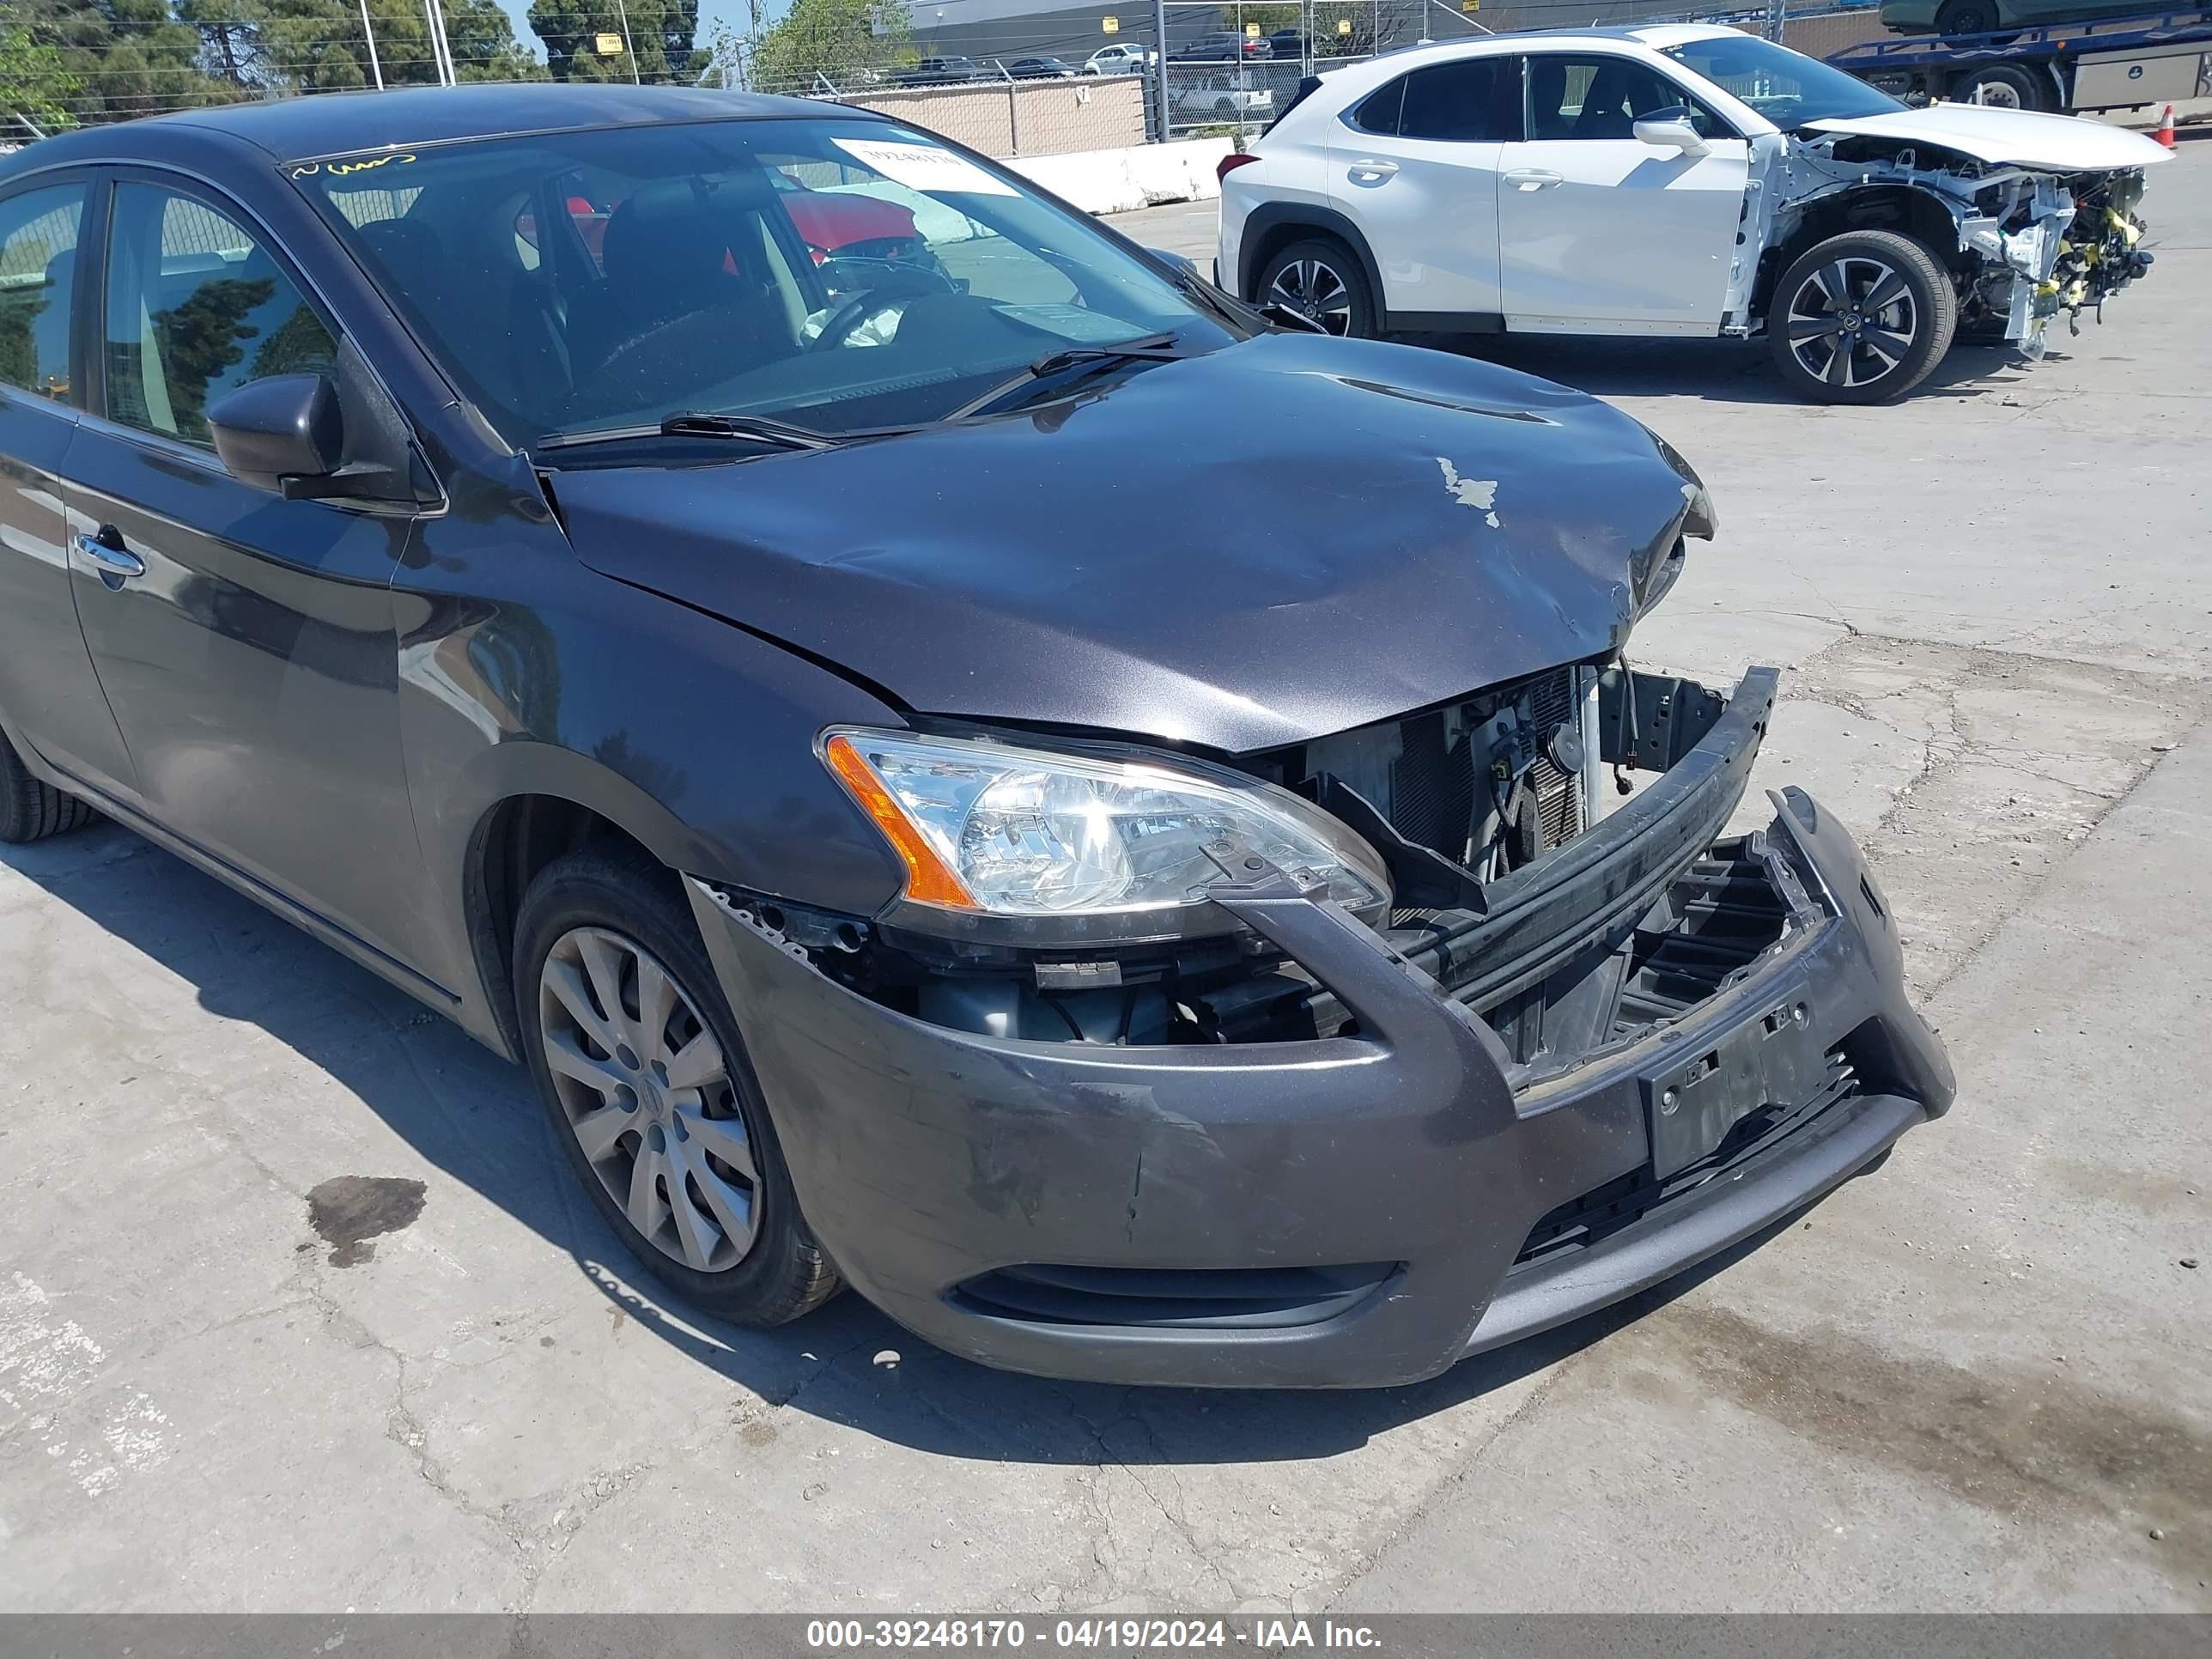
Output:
[[711, 12]]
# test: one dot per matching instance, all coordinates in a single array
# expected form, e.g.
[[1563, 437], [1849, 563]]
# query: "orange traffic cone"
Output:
[[2165, 133]]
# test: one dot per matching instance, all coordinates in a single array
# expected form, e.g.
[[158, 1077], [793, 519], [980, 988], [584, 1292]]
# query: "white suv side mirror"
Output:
[[1670, 131]]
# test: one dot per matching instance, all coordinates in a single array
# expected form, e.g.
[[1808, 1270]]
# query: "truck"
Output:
[[2096, 64]]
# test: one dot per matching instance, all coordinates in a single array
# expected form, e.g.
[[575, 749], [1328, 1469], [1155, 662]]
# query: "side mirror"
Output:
[[1671, 130], [288, 434], [283, 428]]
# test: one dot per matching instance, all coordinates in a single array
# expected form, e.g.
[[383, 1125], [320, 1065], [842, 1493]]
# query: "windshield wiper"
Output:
[[1148, 348], [696, 424]]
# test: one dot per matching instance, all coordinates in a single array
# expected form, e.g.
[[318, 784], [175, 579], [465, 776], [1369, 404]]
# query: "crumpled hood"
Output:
[[2059, 143], [1284, 538]]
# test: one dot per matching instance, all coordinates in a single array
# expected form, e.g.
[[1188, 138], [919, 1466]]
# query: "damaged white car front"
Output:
[[1872, 233]]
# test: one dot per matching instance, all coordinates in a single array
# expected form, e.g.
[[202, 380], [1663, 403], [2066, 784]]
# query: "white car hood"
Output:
[[2061, 143]]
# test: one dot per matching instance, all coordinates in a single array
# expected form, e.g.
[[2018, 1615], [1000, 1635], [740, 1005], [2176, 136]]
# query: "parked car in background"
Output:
[[1040, 69], [728, 685], [1225, 46], [1679, 179], [1122, 57], [1220, 95], [1983, 16], [1286, 43], [944, 71]]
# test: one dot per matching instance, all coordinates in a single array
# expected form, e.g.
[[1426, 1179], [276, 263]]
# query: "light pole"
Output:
[[628, 45], [369, 34], [439, 52]]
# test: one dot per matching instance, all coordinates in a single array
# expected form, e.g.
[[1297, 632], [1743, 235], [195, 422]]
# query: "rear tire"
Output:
[[669, 1064], [1968, 17], [1321, 278], [1861, 318], [2003, 86], [32, 810]]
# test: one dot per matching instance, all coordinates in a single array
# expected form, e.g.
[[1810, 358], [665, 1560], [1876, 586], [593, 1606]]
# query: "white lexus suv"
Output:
[[1679, 179]]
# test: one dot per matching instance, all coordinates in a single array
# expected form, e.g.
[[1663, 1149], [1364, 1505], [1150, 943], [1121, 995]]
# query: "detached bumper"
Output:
[[1363, 1210]]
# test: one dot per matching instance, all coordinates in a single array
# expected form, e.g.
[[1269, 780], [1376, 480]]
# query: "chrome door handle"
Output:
[[114, 565], [1534, 178], [1370, 169]]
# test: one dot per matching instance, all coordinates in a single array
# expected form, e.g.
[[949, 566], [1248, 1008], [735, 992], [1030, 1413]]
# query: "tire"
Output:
[[1968, 17], [32, 810], [2003, 86], [1843, 349], [580, 917], [1320, 279]]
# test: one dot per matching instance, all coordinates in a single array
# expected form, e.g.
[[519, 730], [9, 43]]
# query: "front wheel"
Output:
[[30, 810], [1861, 318], [640, 1067], [1322, 282]]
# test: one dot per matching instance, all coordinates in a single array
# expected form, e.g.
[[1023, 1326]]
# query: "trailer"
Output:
[[2110, 63]]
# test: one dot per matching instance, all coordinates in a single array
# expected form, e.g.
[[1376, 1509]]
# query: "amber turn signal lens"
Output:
[[928, 880]]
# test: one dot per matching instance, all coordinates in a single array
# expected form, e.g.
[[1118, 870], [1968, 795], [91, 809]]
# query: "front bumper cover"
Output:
[[926, 1157]]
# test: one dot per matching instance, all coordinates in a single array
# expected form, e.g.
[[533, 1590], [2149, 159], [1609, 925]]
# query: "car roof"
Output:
[[335, 124], [1656, 36]]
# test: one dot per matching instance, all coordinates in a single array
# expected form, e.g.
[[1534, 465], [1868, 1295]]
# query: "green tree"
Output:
[[123, 58], [35, 83], [835, 38], [664, 32], [318, 45]]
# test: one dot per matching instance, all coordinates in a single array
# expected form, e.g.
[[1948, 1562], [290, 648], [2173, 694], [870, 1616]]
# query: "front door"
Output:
[[1417, 171], [1603, 232], [246, 643], [48, 694]]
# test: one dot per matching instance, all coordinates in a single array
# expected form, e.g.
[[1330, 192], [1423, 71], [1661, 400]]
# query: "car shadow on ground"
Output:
[[476, 1119], [1715, 371]]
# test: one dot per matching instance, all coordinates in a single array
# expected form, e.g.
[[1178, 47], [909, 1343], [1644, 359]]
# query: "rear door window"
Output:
[[1472, 101], [38, 268]]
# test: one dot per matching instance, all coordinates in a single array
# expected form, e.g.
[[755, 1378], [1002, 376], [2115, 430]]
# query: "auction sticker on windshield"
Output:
[[922, 166]]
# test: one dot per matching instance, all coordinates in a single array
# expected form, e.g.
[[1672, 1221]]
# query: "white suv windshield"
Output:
[[839, 274], [1786, 87]]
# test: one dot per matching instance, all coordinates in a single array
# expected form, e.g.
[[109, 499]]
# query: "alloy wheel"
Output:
[[646, 1091], [1851, 322], [1315, 293]]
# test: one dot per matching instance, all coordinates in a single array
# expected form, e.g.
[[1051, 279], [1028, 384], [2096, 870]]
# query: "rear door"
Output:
[[1414, 165], [48, 693], [1603, 232], [246, 641]]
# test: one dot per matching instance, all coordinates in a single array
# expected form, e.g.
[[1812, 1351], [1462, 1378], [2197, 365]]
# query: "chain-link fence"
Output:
[[1013, 78]]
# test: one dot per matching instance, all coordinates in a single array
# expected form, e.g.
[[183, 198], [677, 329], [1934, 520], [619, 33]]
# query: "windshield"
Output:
[[838, 275], [1786, 87]]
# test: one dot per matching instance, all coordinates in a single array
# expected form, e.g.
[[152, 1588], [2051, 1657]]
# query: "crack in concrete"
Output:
[[1177, 1523]]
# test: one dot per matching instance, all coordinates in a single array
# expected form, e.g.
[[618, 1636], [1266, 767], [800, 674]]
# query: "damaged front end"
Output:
[[2024, 244], [1342, 1123]]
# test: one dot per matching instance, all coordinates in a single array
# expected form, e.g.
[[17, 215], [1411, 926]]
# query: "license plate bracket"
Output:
[[1694, 1098]]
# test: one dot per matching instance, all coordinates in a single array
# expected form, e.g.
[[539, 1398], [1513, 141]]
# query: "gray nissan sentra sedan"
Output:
[[967, 763]]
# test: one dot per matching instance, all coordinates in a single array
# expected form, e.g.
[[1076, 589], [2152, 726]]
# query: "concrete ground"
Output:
[[297, 1310]]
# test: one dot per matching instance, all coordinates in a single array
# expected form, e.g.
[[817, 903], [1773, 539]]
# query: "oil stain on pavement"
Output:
[[350, 1211]]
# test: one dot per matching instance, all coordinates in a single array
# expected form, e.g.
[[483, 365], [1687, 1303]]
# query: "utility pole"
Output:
[[368, 34], [1160, 62], [441, 52], [628, 45]]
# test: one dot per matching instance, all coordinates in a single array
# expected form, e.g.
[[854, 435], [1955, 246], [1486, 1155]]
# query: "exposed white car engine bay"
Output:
[[2030, 243]]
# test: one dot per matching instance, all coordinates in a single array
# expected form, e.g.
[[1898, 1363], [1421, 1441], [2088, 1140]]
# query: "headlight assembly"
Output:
[[1000, 831]]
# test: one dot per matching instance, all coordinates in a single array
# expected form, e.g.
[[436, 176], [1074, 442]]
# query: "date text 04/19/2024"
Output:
[[1110, 1635]]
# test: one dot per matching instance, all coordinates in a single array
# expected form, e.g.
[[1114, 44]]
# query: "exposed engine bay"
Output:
[[1471, 805], [2023, 245]]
